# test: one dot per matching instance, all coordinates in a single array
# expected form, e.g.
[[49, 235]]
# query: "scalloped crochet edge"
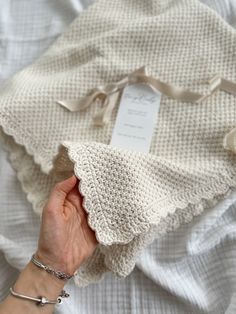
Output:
[[13, 129], [14, 151], [171, 204]]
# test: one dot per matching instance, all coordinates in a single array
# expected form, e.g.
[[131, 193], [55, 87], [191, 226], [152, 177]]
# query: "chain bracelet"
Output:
[[59, 274]]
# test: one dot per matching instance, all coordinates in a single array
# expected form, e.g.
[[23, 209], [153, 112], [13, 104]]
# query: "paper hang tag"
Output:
[[136, 118]]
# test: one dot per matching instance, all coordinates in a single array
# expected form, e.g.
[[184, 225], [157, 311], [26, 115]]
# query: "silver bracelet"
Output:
[[40, 300], [50, 270]]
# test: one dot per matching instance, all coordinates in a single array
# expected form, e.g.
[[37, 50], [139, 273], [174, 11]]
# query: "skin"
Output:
[[65, 242]]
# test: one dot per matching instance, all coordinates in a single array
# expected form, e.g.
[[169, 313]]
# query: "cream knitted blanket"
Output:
[[131, 197]]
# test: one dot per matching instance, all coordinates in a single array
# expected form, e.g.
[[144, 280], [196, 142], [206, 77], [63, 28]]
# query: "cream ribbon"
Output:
[[108, 95], [229, 141]]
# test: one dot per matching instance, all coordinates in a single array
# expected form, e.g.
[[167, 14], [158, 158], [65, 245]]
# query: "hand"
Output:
[[66, 240]]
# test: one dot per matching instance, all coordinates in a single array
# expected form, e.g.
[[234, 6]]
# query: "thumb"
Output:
[[60, 191]]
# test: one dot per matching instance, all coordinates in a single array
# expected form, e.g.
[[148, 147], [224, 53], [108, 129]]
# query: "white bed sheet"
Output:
[[188, 271]]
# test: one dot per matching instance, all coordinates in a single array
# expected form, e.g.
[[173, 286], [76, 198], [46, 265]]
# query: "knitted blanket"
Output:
[[131, 197]]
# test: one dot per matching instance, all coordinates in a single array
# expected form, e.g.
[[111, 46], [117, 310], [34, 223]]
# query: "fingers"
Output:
[[60, 191]]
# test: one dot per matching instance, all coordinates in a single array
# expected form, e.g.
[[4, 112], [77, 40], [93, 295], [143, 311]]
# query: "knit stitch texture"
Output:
[[131, 197]]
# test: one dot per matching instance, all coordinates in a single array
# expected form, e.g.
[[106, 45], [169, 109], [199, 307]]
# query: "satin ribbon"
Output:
[[108, 95], [229, 141]]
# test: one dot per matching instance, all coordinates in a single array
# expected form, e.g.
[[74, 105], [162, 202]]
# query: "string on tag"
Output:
[[108, 95]]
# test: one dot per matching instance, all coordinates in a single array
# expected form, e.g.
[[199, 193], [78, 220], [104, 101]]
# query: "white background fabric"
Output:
[[192, 270]]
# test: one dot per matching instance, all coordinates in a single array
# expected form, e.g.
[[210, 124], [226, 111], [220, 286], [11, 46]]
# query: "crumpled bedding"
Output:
[[175, 262]]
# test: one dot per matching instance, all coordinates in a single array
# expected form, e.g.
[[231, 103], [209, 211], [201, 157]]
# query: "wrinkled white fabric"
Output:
[[180, 263]]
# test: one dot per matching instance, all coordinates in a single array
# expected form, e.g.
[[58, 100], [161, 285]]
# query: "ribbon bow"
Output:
[[108, 95]]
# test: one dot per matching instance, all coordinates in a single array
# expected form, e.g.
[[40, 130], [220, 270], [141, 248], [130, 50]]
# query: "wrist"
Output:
[[32, 282], [37, 282]]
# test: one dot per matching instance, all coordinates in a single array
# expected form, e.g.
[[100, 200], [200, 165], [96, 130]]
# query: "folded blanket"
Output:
[[130, 197]]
